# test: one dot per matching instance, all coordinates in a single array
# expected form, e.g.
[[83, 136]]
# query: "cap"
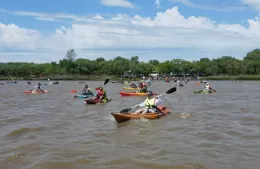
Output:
[[150, 94]]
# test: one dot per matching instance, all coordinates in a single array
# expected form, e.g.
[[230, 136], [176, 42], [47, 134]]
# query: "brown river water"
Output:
[[204, 131]]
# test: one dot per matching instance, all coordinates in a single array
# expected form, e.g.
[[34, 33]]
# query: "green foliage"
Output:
[[253, 55], [225, 65]]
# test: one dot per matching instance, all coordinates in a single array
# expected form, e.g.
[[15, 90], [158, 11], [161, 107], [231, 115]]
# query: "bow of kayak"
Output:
[[130, 88], [120, 118], [35, 92], [135, 94]]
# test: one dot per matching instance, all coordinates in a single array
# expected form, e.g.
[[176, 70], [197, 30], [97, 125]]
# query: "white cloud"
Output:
[[192, 37], [119, 3], [13, 36], [98, 17], [226, 6], [45, 18], [157, 3], [253, 3]]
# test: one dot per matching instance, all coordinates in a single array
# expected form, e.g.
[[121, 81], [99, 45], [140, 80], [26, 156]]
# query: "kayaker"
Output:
[[85, 90], [88, 92], [208, 87], [143, 88], [102, 94], [140, 85], [133, 85], [39, 88], [150, 105]]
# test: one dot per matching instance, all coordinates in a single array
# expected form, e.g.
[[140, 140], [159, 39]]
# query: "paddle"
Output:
[[172, 90], [106, 81]]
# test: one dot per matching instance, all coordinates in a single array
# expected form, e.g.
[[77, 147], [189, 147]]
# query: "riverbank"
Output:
[[245, 77], [63, 77], [115, 78], [68, 77]]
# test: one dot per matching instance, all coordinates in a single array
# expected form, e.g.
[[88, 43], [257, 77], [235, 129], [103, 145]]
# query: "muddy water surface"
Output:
[[55, 131]]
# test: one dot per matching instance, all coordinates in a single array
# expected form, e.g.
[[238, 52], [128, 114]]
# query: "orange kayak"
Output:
[[129, 116], [34, 91], [134, 94]]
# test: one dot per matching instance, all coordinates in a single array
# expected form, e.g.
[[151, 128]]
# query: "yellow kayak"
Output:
[[130, 88]]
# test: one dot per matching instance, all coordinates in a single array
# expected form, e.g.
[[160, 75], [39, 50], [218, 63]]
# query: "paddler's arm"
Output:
[[142, 104]]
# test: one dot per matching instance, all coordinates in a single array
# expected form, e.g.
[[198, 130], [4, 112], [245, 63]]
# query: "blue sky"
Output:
[[42, 31]]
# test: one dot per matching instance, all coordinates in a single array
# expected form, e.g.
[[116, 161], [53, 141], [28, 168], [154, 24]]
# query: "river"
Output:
[[204, 131]]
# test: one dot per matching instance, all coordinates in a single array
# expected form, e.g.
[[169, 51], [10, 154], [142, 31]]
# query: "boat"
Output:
[[129, 116], [135, 94], [114, 82], [12, 82], [204, 91], [83, 96], [82, 82], [35, 92], [97, 101], [130, 88]]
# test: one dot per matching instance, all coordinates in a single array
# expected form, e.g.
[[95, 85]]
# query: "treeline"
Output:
[[226, 65]]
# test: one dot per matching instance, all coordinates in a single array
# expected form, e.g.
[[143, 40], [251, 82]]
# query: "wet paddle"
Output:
[[106, 81], [172, 90]]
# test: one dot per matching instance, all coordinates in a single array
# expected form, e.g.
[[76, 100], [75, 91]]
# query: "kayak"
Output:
[[83, 96], [134, 94], [97, 101], [12, 82], [129, 116], [205, 91], [131, 88], [35, 92]]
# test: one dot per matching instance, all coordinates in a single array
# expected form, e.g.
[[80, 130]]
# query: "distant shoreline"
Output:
[[115, 78], [242, 77], [63, 78]]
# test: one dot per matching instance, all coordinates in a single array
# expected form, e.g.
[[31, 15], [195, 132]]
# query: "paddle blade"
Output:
[[74, 91], [106, 81], [171, 90], [125, 110]]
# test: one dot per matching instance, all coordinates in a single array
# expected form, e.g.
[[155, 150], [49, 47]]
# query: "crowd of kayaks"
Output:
[[122, 116]]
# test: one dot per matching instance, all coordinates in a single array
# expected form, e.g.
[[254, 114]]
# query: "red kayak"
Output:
[[35, 92], [97, 101]]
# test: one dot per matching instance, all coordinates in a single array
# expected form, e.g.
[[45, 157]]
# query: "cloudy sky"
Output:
[[43, 30]]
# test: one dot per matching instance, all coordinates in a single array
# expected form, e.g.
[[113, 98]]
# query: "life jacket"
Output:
[[149, 102], [100, 93]]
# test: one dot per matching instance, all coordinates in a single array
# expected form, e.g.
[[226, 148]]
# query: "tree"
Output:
[[154, 62], [100, 59], [71, 55], [253, 55]]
